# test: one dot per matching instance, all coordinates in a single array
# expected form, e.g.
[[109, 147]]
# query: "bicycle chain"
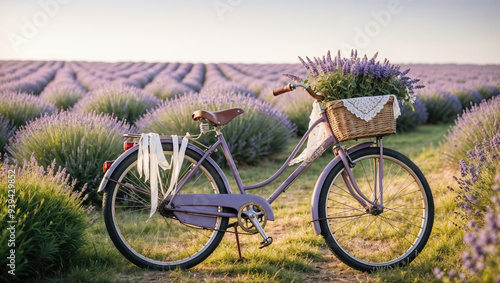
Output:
[[225, 231]]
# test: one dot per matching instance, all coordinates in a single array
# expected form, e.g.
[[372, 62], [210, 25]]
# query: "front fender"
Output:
[[124, 155], [321, 181]]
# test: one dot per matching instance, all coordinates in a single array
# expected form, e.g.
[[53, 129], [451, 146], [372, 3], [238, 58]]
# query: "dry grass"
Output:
[[296, 255]]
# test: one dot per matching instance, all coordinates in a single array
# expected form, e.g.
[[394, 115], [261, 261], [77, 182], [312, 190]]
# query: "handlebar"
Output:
[[290, 87], [283, 89]]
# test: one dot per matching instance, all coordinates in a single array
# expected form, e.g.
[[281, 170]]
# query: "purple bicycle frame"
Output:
[[347, 175]]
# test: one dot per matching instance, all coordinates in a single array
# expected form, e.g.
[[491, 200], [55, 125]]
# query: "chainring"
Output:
[[244, 220]]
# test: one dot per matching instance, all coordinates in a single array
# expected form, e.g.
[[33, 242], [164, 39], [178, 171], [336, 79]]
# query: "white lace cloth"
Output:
[[315, 139], [369, 106], [151, 156]]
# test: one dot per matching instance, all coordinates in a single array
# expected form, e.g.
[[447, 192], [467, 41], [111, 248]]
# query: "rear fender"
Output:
[[321, 181]]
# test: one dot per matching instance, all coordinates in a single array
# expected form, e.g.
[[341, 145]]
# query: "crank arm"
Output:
[[267, 240]]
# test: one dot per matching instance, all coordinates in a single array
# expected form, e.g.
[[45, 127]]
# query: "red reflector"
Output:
[[128, 145], [106, 165]]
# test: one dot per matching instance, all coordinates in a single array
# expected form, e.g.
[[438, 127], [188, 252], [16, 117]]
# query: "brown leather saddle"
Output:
[[218, 118]]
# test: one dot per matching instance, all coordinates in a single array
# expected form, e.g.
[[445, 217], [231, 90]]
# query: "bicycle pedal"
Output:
[[266, 242]]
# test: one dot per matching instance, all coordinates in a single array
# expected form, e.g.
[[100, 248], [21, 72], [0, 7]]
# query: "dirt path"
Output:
[[332, 270]]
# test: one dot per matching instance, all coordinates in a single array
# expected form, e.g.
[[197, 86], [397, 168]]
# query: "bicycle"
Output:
[[372, 205]]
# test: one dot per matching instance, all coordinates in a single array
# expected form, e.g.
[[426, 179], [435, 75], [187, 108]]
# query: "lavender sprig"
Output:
[[293, 77], [354, 77]]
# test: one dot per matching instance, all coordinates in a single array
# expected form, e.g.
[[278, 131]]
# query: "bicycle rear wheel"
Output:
[[160, 242], [393, 238]]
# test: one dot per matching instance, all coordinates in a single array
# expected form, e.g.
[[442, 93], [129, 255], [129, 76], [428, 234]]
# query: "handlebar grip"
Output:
[[281, 90]]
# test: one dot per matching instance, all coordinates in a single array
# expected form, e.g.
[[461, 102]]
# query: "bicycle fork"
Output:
[[374, 207]]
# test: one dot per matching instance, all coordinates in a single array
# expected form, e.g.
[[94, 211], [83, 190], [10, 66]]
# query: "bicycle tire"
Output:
[[160, 242], [369, 242]]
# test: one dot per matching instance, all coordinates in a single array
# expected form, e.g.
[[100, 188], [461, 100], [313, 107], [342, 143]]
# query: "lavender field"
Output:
[[128, 90], [40, 98], [72, 115]]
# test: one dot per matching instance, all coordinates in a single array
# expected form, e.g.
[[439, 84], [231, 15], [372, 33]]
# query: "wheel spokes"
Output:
[[377, 239], [160, 239]]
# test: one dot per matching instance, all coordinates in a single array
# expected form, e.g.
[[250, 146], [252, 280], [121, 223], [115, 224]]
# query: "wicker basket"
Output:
[[346, 126]]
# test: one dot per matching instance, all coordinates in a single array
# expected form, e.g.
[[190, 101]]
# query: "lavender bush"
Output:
[[266, 94], [477, 177], [297, 105], [226, 88], [483, 242], [468, 96], [216, 82], [65, 74], [63, 94], [20, 107], [475, 124], [194, 79], [181, 71], [355, 77], [298, 109], [481, 258], [26, 85], [50, 221], [76, 141], [6, 132], [167, 89], [260, 131], [486, 90], [213, 75], [33, 80], [479, 206], [127, 82], [17, 70], [478, 203], [442, 106], [144, 76], [411, 118], [124, 102], [254, 84]]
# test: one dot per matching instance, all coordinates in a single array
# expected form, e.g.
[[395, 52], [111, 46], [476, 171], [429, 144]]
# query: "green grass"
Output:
[[296, 255]]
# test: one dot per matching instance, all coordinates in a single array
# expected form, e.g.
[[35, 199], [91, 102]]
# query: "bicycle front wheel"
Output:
[[393, 238], [161, 242]]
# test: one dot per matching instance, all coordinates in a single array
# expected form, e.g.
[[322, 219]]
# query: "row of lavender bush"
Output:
[[83, 135], [469, 84], [133, 94], [167, 80], [473, 145]]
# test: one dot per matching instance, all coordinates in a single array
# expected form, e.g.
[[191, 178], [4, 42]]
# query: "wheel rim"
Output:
[[383, 239], [160, 240]]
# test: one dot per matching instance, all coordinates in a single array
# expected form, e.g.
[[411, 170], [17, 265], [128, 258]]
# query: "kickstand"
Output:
[[238, 243]]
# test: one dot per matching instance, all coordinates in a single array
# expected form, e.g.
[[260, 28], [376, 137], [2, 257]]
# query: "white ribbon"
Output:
[[151, 156], [316, 138]]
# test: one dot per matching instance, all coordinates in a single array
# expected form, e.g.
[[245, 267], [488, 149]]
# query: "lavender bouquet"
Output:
[[343, 78]]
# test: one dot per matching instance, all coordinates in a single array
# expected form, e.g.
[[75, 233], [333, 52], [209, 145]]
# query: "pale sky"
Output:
[[249, 31]]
